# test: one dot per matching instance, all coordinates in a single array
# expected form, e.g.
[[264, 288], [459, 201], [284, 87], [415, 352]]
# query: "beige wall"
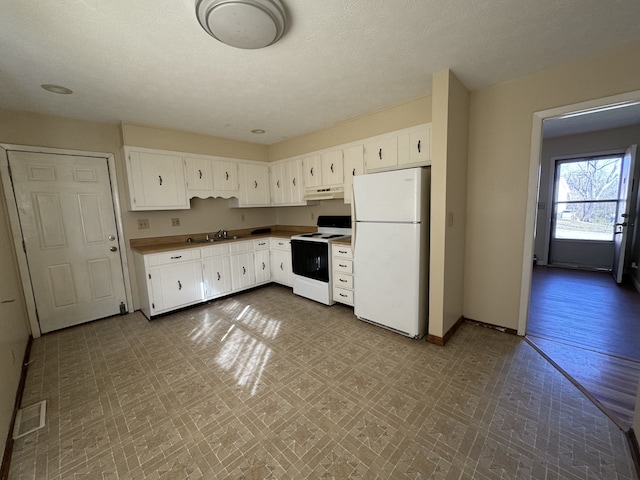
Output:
[[450, 124], [401, 116], [592, 142], [14, 330], [499, 152], [137, 135]]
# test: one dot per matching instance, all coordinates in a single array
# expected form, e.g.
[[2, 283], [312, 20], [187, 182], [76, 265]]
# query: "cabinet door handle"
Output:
[[200, 174], [176, 258], [179, 285], [227, 175], [332, 168], [263, 266], [282, 266], [354, 172], [160, 179], [311, 171], [418, 146], [294, 182], [255, 184], [380, 154], [244, 271], [219, 277], [278, 183]]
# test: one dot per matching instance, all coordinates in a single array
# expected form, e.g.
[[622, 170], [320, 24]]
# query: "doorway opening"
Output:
[[571, 315]]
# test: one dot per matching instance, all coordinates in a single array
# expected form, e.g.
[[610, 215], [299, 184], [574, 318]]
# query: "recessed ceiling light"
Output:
[[242, 23], [57, 89], [258, 131]]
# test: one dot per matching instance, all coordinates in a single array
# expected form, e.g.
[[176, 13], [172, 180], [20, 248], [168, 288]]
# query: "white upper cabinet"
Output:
[[156, 180], [199, 172], [286, 183], [312, 169], [414, 147], [254, 185], [225, 176], [381, 153], [332, 168], [353, 165]]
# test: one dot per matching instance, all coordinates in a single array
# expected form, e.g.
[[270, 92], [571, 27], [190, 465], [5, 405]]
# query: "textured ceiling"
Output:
[[149, 61]]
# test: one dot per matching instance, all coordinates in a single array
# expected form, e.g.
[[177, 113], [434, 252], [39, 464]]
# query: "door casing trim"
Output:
[[16, 232]]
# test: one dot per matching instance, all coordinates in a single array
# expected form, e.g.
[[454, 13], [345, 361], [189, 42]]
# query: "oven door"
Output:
[[310, 259]]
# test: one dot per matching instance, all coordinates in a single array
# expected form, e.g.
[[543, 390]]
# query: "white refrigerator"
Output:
[[391, 249]]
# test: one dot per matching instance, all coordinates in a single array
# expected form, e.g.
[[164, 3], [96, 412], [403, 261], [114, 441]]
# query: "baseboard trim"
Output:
[[511, 331], [442, 341], [635, 449], [8, 447]]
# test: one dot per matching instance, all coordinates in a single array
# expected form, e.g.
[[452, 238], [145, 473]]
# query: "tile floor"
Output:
[[269, 385]]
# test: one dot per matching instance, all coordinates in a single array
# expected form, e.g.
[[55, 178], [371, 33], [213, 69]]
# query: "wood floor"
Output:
[[589, 327]]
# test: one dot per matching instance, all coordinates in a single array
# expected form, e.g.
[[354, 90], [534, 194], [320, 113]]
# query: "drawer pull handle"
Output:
[[176, 258], [179, 285], [219, 277], [263, 243], [342, 251], [343, 280], [341, 265], [343, 295]]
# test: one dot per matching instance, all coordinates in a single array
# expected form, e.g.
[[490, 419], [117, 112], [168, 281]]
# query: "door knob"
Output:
[[114, 249]]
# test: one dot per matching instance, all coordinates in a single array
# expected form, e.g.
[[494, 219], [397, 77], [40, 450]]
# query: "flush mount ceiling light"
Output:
[[57, 89], [242, 23]]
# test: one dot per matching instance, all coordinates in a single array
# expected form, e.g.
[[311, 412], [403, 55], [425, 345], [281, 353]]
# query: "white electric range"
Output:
[[311, 258]]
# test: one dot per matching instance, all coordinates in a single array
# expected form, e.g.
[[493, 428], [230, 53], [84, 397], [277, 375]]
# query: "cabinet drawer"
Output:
[[214, 251], [343, 296], [343, 251], [237, 247], [261, 244], [343, 281], [176, 256], [343, 266], [281, 243]]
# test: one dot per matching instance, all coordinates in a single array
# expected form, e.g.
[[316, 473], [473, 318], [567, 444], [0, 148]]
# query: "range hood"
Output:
[[324, 193]]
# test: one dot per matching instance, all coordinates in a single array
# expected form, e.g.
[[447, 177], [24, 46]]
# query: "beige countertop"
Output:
[[343, 241], [178, 242]]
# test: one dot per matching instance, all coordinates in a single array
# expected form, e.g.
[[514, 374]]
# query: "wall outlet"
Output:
[[143, 223], [242, 217], [175, 222]]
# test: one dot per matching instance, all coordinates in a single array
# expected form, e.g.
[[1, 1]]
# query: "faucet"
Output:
[[221, 234]]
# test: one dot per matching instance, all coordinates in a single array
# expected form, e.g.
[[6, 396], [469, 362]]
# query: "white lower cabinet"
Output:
[[216, 271], [262, 261], [281, 269], [169, 280], [179, 278], [342, 262]]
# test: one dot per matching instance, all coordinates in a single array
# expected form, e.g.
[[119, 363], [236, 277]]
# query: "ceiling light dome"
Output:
[[242, 23]]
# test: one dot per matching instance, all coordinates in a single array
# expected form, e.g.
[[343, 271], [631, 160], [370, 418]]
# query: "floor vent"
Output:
[[30, 419]]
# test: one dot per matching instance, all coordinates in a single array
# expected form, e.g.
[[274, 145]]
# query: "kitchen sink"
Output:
[[216, 239]]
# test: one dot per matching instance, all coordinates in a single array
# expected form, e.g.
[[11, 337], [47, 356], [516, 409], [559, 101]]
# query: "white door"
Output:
[[620, 236], [69, 231]]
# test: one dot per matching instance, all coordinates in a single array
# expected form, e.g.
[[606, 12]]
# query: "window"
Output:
[[586, 198]]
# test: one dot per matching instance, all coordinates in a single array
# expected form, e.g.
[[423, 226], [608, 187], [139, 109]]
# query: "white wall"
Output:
[[14, 330]]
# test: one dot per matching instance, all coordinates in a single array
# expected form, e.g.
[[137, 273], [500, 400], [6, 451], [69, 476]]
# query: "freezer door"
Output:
[[396, 196], [389, 282]]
